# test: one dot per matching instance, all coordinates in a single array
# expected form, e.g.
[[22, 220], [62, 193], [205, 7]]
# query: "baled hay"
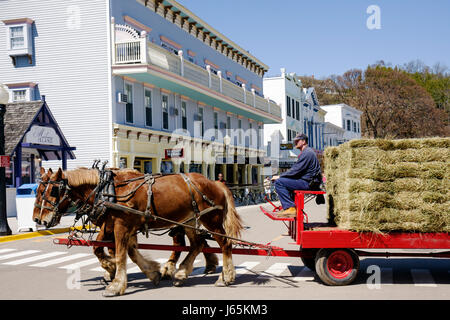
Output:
[[386, 185]]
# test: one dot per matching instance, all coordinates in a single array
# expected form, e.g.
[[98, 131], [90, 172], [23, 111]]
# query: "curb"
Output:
[[35, 234]]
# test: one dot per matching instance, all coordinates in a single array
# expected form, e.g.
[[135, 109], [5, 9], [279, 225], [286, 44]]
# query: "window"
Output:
[[240, 131], [349, 126], [359, 130], [293, 108], [165, 112], [297, 110], [148, 107], [251, 133], [16, 37], [228, 125], [183, 115], [200, 120], [129, 106], [216, 125], [354, 126], [289, 135], [288, 106], [19, 95], [19, 42]]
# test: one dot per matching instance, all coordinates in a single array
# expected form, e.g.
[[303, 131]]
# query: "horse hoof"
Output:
[[210, 269], [157, 278], [109, 294], [220, 283], [178, 283]]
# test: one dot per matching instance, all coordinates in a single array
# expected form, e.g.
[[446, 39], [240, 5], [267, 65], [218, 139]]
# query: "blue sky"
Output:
[[326, 37]]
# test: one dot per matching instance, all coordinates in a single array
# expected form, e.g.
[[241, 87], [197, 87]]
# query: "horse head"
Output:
[[45, 176], [55, 199]]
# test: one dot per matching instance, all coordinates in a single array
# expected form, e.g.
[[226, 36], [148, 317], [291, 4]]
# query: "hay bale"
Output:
[[384, 185]]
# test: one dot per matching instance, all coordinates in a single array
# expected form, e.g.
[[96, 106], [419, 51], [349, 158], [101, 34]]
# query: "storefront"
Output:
[[32, 136]]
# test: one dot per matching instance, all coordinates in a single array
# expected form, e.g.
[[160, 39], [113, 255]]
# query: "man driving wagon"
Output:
[[305, 174]]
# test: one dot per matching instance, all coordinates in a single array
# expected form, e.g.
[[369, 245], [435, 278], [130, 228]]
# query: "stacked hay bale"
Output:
[[390, 185]]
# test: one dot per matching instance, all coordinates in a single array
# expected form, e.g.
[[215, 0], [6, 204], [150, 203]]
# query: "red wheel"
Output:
[[337, 267]]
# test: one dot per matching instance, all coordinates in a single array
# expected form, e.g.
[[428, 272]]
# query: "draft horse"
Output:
[[167, 270], [170, 200]]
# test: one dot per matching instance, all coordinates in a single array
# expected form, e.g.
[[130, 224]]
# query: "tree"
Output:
[[394, 105]]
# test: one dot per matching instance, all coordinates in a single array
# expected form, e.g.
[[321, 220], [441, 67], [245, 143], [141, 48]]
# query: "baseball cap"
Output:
[[301, 136]]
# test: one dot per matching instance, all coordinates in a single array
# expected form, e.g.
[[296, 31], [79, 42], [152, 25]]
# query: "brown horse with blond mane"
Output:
[[167, 270], [171, 203]]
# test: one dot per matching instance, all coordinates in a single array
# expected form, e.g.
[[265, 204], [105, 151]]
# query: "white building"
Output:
[[345, 117], [300, 112], [333, 135], [121, 76]]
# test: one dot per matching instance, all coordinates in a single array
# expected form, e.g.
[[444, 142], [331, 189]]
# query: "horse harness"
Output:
[[105, 198]]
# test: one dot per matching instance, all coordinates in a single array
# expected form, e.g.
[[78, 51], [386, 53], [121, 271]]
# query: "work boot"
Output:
[[288, 213]]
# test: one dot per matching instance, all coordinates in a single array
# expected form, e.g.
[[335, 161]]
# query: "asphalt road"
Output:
[[38, 269]]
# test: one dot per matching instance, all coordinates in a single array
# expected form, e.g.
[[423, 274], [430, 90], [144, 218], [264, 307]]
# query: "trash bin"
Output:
[[25, 198]]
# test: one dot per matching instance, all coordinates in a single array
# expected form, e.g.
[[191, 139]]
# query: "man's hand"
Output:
[[275, 178]]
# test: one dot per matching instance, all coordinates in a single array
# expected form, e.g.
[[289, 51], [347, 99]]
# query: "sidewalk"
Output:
[[62, 227]]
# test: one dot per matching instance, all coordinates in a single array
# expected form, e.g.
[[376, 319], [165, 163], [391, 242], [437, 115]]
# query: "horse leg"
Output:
[[186, 267], [228, 274], [169, 268], [122, 237], [211, 260], [106, 262], [148, 267]]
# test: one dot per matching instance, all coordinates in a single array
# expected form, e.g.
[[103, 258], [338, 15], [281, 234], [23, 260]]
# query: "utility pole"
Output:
[[4, 227]]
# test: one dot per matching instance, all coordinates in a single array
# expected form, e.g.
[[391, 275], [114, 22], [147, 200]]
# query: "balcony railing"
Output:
[[132, 52]]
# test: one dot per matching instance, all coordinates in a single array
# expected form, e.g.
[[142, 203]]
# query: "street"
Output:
[[38, 269]]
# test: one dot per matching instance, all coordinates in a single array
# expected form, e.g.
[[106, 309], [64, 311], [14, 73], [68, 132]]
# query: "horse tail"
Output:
[[232, 221]]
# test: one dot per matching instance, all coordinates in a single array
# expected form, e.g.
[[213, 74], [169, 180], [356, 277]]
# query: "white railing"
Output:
[[133, 52], [130, 52]]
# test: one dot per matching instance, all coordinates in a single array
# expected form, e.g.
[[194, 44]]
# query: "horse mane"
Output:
[[82, 176]]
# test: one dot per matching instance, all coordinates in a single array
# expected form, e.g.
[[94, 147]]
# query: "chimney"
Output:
[[43, 97]]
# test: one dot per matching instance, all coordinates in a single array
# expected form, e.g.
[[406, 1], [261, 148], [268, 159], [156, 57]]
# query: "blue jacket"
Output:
[[306, 167]]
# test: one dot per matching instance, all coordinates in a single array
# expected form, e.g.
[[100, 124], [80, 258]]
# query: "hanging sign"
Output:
[[4, 162], [42, 135], [173, 153]]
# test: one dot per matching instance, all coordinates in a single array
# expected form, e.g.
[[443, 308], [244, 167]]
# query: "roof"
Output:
[[175, 6], [20, 117]]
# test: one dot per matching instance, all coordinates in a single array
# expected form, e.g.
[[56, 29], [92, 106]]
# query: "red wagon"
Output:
[[332, 252]]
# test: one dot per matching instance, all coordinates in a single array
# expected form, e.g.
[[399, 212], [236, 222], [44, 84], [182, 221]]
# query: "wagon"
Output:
[[333, 253]]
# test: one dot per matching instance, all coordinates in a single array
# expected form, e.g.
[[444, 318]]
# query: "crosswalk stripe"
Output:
[[60, 260], [305, 274], [245, 268], [422, 278], [274, 270], [6, 250], [35, 258], [80, 264], [18, 254]]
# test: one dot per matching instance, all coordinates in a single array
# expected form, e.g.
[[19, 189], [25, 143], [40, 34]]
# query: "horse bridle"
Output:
[[63, 188]]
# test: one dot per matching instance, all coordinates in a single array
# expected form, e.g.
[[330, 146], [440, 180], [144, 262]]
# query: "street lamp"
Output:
[[4, 228]]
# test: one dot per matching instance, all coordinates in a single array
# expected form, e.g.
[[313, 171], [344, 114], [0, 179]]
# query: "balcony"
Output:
[[137, 56]]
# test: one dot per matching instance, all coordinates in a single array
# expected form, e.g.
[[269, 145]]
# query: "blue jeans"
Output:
[[285, 187]]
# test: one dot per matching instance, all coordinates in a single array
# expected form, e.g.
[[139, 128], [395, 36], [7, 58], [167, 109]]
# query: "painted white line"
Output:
[[275, 270], [80, 264], [7, 250], [60, 260], [305, 274], [35, 258], [18, 254], [422, 278], [245, 267]]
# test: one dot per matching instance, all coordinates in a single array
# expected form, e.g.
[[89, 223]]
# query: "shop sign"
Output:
[[173, 153], [42, 135], [4, 162], [286, 146]]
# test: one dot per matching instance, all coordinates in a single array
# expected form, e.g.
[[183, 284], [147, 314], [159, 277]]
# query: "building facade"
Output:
[[301, 113], [143, 84], [345, 117]]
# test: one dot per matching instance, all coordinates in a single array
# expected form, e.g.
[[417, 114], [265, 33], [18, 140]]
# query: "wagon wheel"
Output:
[[337, 267], [310, 263]]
